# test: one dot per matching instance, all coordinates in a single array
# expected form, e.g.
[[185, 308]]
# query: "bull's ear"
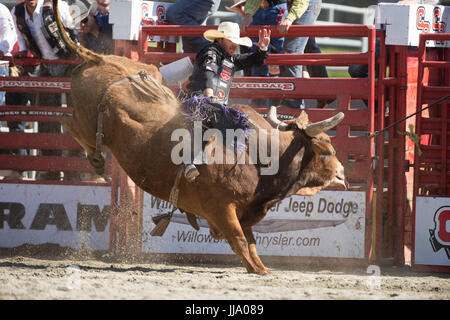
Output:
[[302, 120], [306, 191]]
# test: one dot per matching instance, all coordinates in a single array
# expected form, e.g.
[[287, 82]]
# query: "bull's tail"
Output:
[[83, 53]]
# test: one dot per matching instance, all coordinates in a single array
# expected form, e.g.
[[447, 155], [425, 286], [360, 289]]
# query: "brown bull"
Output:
[[137, 126]]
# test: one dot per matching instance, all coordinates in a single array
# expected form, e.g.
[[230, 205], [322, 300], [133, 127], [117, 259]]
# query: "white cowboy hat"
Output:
[[235, 5], [230, 31]]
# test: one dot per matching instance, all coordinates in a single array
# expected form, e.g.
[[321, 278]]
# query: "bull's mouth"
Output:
[[339, 181]]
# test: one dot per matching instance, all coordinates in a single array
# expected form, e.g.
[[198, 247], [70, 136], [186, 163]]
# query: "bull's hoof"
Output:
[[261, 272]]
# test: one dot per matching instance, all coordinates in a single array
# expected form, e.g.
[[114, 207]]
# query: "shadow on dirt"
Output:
[[140, 262]]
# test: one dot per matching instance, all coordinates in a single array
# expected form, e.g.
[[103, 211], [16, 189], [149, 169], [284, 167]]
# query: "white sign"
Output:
[[405, 22], [128, 17], [328, 224], [71, 216], [432, 231]]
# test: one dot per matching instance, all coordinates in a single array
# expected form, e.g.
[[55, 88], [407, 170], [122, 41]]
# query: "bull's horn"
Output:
[[314, 129], [272, 118]]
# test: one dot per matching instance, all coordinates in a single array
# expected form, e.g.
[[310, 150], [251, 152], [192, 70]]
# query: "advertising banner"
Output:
[[71, 216], [432, 231], [328, 224]]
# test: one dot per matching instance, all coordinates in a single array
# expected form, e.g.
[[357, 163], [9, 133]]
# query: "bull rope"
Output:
[[373, 134]]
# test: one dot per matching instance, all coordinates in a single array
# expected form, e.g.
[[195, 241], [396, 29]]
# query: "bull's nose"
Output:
[[339, 179], [340, 172]]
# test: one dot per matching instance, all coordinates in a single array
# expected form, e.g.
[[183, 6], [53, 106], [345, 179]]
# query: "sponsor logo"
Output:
[[438, 25], [161, 14], [89, 217], [421, 23], [226, 74], [440, 235], [146, 17], [283, 86], [220, 94], [65, 85]]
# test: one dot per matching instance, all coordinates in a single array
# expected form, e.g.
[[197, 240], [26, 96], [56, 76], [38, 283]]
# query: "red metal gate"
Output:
[[432, 156]]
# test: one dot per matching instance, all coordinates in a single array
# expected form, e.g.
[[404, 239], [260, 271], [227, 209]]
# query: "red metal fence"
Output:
[[432, 163], [383, 164], [36, 140]]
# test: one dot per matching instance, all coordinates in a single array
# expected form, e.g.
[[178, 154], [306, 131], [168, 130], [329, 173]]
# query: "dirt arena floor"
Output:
[[34, 273]]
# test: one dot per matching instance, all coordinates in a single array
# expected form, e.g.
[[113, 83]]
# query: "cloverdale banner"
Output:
[[328, 224]]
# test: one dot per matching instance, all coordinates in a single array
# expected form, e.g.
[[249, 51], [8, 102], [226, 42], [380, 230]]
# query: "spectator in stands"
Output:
[[316, 71], [300, 12], [34, 21], [99, 31], [265, 12], [92, 38], [195, 13], [8, 37]]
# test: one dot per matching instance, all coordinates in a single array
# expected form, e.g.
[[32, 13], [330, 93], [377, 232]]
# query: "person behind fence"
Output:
[[8, 38], [102, 28], [319, 71], [265, 12], [300, 12], [215, 65], [34, 22], [194, 13], [92, 37]]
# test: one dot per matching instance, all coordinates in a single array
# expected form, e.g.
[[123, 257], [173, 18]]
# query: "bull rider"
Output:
[[216, 63]]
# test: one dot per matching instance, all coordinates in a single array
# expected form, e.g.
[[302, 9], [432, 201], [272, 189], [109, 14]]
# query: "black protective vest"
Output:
[[223, 80], [49, 30], [212, 58]]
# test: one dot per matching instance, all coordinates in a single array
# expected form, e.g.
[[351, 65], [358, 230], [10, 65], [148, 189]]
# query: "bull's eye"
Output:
[[326, 153]]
